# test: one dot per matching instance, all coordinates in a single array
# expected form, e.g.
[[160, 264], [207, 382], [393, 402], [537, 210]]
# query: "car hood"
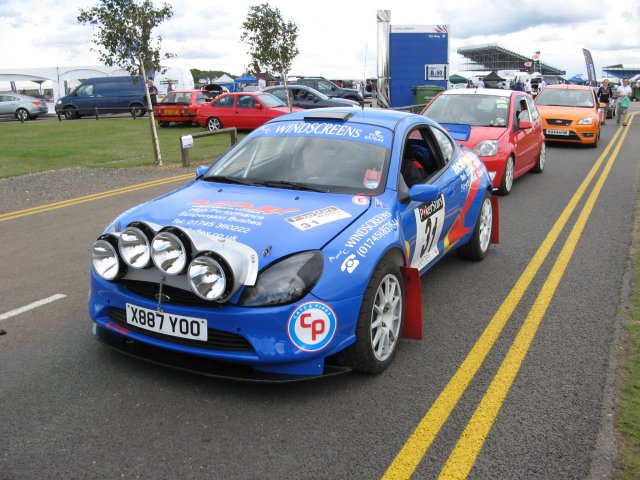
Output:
[[566, 113], [274, 222]]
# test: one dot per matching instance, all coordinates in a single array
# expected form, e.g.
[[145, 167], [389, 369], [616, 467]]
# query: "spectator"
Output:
[[623, 93], [153, 92], [480, 83], [518, 86], [604, 96], [527, 86], [170, 86]]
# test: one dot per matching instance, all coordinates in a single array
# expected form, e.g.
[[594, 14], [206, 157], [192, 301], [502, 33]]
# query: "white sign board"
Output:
[[435, 72]]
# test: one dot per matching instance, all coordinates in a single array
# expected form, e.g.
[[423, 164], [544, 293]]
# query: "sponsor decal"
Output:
[[360, 200], [328, 129], [249, 207], [308, 220], [365, 237], [378, 203], [311, 326], [429, 221], [371, 179], [375, 136], [350, 264]]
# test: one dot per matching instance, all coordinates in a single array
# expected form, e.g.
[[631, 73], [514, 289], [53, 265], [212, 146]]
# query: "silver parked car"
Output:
[[23, 107]]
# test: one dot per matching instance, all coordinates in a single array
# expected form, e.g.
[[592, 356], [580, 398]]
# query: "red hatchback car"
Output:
[[243, 110], [506, 130], [180, 106]]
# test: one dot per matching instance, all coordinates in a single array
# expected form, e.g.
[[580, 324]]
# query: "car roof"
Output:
[[568, 86], [493, 92], [370, 116]]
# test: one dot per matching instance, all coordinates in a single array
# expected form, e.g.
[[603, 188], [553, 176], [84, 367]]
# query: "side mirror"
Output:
[[423, 192], [201, 170], [258, 106], [524, 124]]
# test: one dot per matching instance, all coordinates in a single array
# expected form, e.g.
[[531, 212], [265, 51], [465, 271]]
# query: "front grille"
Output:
[[216, 339], [177, 296], [557, 121]]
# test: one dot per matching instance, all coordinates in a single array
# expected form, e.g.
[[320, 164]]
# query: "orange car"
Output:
[[569, 114]]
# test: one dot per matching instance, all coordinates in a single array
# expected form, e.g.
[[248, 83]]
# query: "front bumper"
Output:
[[255, 337]]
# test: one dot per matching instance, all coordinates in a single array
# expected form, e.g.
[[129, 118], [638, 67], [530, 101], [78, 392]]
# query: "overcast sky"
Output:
[[337, 39]]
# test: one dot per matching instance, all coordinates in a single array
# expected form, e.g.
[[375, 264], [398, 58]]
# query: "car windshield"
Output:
[[307, 163], [475, 110], [271, 101], [565, 98]]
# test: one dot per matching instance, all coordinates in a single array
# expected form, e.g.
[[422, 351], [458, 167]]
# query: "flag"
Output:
[[591, 69], [527, 64], [536, 56]]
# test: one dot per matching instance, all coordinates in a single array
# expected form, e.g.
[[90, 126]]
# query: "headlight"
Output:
[[210, 278], [286, 281], [586, 121], [486, 148], [59, 101], [134, 246], [104, 258], [169, 253]]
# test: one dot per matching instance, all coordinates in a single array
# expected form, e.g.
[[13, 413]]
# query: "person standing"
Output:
[[170, 86], [623, 93], [527, 86], [480, 83], [605, 94], [153, 92]]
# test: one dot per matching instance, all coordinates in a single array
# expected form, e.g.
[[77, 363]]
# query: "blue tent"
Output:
[[246, 79], [577, 79]]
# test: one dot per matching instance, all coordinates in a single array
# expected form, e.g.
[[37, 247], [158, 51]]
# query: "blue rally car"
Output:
[[298, 253]]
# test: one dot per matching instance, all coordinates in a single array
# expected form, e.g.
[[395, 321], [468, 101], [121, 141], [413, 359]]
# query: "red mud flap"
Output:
[[412, 304], [495, 220]]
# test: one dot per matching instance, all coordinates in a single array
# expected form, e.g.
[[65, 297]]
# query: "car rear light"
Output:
[[36, 103]]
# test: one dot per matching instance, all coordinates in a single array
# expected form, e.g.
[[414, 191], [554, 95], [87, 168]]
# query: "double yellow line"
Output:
[[90, 198], [468, 447]]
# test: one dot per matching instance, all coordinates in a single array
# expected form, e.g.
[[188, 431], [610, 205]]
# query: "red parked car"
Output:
[[505, 130], [243, 110], [180, 106]]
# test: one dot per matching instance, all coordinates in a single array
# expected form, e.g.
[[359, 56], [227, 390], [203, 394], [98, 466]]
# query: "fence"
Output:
[[186, 141]]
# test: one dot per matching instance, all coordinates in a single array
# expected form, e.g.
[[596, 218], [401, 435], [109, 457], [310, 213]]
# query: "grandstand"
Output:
[[619, 71], [492, 57]]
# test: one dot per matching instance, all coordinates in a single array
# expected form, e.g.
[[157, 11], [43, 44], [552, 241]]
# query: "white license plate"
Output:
[[167, 323], [558, 132]]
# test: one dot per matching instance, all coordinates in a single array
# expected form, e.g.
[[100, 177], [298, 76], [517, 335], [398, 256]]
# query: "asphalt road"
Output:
[[71, 408]]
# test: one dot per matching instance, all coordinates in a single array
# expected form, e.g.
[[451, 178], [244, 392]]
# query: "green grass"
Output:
[[628, 419], [39, 145]]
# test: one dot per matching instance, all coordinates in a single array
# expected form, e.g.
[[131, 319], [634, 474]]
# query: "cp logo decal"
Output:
[[312, 326]]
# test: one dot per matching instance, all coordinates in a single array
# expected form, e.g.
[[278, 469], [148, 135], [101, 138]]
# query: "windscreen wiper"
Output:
[[225, 179], [293, 185]]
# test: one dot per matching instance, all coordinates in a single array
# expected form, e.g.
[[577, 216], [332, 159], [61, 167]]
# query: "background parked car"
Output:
[[105, 95], [181, 106], [327, 87], [243, 110], [505, 130], [570, 113], [23, 107], [307, 97]]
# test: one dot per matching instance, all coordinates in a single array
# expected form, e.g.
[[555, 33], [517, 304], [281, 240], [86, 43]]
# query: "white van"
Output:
[[180, 77]]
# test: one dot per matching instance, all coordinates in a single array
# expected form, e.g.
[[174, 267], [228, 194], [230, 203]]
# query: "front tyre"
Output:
[[542, 158], [478, 246], [379, 323], [70, 113], [214, 124], [507, 177]]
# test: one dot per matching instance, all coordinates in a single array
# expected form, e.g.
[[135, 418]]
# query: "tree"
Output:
[[272, 42], [124, 38]]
